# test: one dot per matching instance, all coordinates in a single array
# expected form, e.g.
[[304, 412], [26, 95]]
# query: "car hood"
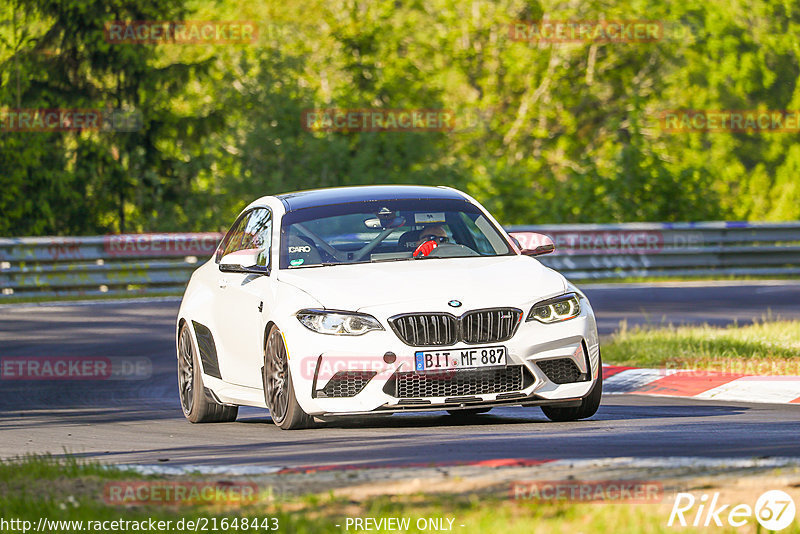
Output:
[[428, 285]]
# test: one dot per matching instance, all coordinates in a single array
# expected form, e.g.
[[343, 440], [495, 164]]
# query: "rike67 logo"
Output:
[[774, 510]]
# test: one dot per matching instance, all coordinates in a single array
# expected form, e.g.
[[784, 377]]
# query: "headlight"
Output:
[[338, 322], [558, 309]]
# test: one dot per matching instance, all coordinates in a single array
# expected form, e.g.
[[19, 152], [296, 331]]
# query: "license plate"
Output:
[[427, 360]]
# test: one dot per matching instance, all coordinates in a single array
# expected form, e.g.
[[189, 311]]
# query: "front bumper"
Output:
[[315, 359]]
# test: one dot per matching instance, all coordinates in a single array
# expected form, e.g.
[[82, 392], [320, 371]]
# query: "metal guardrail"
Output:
[[101, 265], [607, 251], [153, 263]]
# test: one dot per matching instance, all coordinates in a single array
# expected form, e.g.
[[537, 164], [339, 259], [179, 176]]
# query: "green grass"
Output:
[[766, 347], [69, 489], [45, 468]]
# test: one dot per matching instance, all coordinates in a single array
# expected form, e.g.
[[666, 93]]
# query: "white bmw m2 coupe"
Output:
[[380, 299]]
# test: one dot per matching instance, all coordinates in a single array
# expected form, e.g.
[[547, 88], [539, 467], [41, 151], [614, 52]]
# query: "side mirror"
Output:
[[246, 261], [533, 244]]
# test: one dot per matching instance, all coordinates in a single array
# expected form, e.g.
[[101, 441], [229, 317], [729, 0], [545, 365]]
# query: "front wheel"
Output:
[[588, 407], [196, 405], [278, 388]]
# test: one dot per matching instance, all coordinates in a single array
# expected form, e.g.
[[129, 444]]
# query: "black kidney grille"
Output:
[[489, 326], [441, 329], [457, 382], [429, 329], [562, 371], [347, 383]]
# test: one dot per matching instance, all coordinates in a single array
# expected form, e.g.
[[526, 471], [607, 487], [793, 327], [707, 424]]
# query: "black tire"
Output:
[[197, 405], [468, 412], [588, 407], [278, 388]]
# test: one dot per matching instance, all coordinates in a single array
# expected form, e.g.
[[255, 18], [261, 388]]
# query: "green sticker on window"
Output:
[[298, 261]]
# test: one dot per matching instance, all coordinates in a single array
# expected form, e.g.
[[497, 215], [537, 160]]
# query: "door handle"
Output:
[[223, 283]]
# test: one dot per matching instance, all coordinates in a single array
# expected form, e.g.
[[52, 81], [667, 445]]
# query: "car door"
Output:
[[240, 300]]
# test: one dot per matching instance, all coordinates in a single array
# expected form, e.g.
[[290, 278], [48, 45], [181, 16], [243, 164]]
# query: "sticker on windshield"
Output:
[[298, 261], [437, 217]]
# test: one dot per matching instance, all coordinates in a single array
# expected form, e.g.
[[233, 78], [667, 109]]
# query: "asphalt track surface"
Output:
[[139, 421]]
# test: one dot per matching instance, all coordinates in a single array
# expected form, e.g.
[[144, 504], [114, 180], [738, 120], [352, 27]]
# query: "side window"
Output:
[[253, 230], [484, 247], [258, 233], [233, 238]]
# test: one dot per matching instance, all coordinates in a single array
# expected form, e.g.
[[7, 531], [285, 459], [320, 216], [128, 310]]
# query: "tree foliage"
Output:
[[545, 132]]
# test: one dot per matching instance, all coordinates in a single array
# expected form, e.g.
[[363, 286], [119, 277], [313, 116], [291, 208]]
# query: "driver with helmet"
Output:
[[430, 238]]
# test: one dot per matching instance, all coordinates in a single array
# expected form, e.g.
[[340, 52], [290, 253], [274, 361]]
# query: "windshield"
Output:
[[393, 230]]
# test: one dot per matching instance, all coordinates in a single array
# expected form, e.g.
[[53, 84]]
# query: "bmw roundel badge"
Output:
[[454, 303]]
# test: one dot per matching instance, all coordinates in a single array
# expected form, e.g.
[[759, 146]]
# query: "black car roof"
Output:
[[339, 195]]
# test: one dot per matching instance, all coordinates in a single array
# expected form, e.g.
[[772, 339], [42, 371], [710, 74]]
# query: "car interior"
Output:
[[369, 238]]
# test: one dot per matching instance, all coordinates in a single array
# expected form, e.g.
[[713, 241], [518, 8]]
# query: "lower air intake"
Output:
[[562, 371], [346, 384], [456, 382]]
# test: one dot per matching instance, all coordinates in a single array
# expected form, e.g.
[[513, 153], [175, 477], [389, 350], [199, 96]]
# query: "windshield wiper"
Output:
[[331, 263], [382, 260]]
